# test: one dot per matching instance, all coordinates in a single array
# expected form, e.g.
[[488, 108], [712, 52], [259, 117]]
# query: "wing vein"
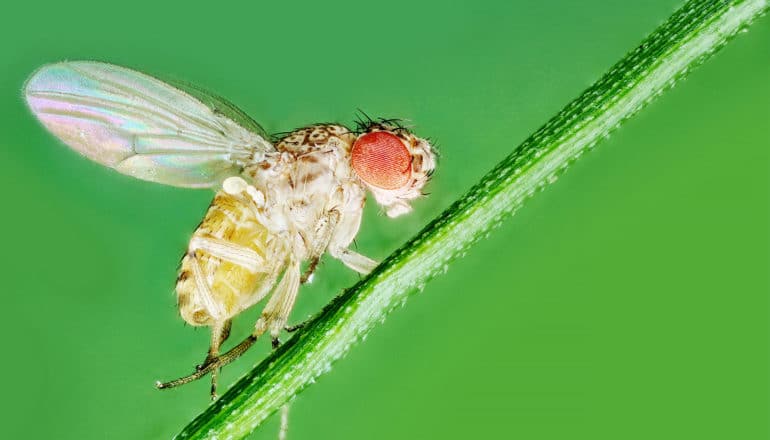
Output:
[[128, 92]]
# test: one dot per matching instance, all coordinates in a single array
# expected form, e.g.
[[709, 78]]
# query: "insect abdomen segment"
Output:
[[230, 263]]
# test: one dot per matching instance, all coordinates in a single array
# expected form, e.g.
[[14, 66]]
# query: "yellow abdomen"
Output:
[[213, 286]]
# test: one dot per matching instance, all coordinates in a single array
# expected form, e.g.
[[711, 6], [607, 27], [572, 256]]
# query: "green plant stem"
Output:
[[686, 39]]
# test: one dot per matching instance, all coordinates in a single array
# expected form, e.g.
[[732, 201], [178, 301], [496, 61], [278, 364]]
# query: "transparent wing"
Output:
[[143, 127]]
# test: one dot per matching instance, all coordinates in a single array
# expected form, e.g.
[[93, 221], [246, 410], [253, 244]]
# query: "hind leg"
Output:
[[219, 334], [273, 318]]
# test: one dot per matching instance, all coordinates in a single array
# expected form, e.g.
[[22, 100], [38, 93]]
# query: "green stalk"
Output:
[[685, 40]]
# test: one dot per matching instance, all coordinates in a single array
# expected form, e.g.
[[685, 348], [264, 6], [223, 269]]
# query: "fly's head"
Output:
[[392, 163]]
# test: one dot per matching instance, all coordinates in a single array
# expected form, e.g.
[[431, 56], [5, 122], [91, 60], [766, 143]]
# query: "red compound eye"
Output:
[[381, 159]]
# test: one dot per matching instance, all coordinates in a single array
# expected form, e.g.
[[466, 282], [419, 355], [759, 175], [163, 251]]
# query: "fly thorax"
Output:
[[315, 138]]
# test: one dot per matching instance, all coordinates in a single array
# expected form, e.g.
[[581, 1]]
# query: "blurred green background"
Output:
[[629, 300]]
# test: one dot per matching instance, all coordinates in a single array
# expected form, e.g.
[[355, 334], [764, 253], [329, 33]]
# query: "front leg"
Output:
[[360, 263], [353, 260], [322, 235]]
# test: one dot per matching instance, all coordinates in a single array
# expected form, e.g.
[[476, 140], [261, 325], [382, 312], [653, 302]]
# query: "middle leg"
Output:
[[276, 312]]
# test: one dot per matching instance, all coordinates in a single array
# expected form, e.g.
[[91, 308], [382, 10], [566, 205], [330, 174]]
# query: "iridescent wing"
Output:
[[144, 127]]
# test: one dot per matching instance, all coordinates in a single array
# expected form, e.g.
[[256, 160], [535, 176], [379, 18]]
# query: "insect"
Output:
[[280, 203]]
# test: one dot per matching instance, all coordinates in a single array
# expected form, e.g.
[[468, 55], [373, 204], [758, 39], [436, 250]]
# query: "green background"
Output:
[[628, 300]]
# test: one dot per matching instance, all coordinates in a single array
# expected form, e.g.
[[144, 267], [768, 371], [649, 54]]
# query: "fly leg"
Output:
[[215, 364], [224, 250], [360, 263], [323, 242], [322, 235], [295, 327], [283, 297], [273, 318], [276, 312], [220, 330], [219, 334]]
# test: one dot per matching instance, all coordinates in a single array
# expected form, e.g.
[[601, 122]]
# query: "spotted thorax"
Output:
[[280, 203]]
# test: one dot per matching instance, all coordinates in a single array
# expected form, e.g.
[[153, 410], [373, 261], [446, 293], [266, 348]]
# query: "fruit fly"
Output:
[[281, 202]]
